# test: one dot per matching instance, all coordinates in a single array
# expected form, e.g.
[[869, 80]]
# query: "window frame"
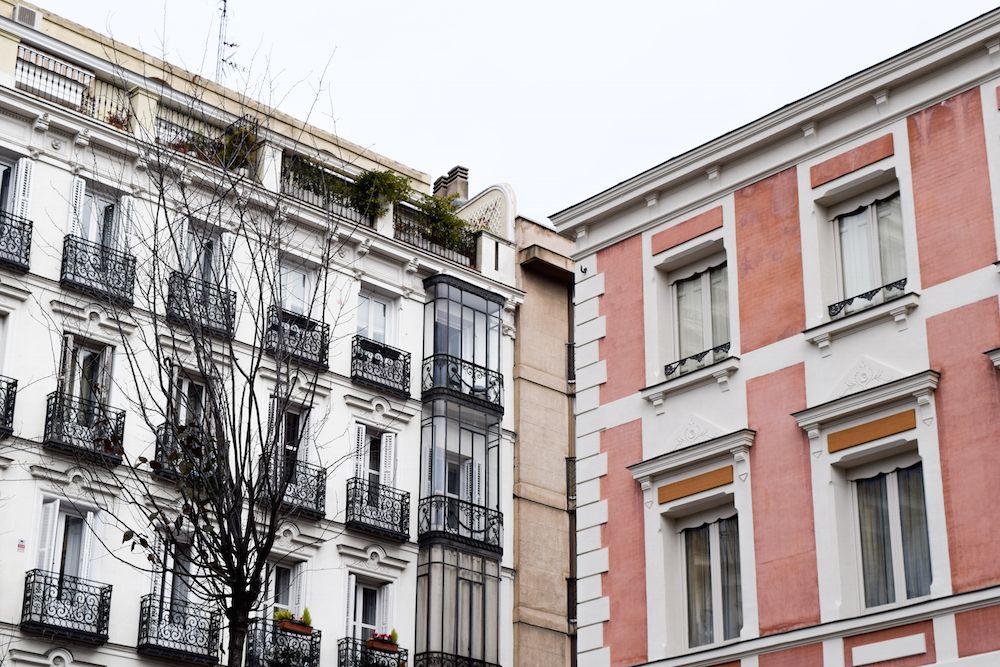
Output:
[[869, 201], [704, 272], [287, 266], [389, 334]]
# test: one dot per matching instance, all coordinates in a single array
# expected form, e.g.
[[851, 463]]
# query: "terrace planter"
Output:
[[297, 628], [380, 645]]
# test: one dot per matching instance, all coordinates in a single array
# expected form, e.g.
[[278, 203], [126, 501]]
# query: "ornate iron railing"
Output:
[[178, 630], [270, 646], [291, 335], [379, 509], [198, 303], [305, 492], [8, 395], [695, 361], [463, 379], [460, 520], [448, 660], [182, 449], [15, 241], [873, 297], [84, 428], [381, 366], [410, 227], [357, 653], [66, 607], [319, 192], [93, 268]]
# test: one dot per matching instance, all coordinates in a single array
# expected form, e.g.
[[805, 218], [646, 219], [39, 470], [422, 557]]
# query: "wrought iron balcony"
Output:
[[357, 653], [86, 429], [461, 521], [201, 305], [410, 227], [463, 379], [15, 241], [377, 509], [381, 366], [182, 449], [308, 182], [868, 299], [270, 646], [291, 336], [8, 394], [695, 361], [65, 607], [448, 660], [305, 493], [95, 269], [179, 631]]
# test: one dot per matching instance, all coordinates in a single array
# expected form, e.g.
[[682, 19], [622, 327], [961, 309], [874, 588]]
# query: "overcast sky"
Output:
[[559, 99]]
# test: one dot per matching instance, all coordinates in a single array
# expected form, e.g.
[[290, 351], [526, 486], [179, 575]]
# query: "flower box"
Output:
[[293, 626], [381, 645]]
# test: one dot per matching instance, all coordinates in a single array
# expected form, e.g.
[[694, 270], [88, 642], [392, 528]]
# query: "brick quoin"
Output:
[[787, 586], [928, 657], [621, 304], [978, 631], [968, 421], [625, 581], [951, 189], [852, 160], [687, 230], [800, 656], [769, 252]]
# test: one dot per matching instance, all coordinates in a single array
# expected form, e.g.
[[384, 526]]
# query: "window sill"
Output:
[[994, 356], [896, 310], [719, 371]]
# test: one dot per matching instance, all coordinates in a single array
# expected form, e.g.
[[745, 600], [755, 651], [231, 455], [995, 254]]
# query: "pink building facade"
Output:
[[788, 382]]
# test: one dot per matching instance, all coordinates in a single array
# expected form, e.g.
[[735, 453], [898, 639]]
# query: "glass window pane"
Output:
[[282, 585], [729, 563], [890, 240], [369, 606], [363, 305], [720, 306], [72, 546], [690, 325], [876, 551], [379, 316], [6, 200], [856, 253], [699, 585], [913, 527]]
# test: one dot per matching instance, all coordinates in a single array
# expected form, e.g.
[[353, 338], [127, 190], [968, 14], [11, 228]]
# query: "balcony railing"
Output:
[[232, 148], [93, 268], [357, 653], [460, 520], [15, 241], [84, 428], [65, 607], [448, 660], [695, 361], [8, 395], [201, 304], [307, 182], [381, 366], [305, 493], [179, 631], [464, 379], [294, 336], [868, 299], [410, 228], [182, 450], [270, 646], [378, 509]]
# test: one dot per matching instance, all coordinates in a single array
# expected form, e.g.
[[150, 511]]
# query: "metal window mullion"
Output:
[[896, 538], [715, 567]]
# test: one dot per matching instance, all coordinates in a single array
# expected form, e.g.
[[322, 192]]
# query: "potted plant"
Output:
[[382, 641], [286, 621]]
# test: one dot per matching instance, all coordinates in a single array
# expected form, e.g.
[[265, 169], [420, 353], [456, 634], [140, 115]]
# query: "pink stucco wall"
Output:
[[810, 655], [928, 657], [621, 304]]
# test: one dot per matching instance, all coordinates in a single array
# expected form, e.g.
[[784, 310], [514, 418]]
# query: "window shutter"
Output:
[[76, 206], [47, 534], [477, 485], [296, 597], [273, 433], [104, 379], [168, 570], [468, 478], [387, 474], [126, 211], [63, 383], [349, 594], [360, 449], [386, 608], [22, 186], [87, 547], [306, 440]]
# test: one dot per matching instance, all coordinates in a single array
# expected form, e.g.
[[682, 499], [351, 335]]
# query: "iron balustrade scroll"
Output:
[[434, 659], [84, 428], [357, 653], [96, 269], [462, 521], [695, 361], [378, 509], [297, 336], [8, 395], [63, 606], [409, 227], [305, 492], [463, 378], [199, 303], [270, 646], [182, 449], [179, 630], [873, 297], [379, 365], [15, 241]]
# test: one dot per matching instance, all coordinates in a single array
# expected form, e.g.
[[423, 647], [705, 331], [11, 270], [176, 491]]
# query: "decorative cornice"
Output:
[[381, 408], [896, 310], [372, 558], [994, 356], [719, 371], [683, 459]]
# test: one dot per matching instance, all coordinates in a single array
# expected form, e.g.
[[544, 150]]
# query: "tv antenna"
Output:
[[221, 59]]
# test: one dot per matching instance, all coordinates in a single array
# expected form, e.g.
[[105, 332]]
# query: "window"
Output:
[[284, 586], [85, 370], [370, 607], [189, 401], [293, 438], [65, 540], [99, 215], [202, 258], [295, 292], [712, 581], [373, 317], [365, 612], [374, 457], [871, 252], [701, 306], [893, 539]]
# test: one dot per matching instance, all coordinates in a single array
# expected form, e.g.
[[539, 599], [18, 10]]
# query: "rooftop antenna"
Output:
[[221, 59]]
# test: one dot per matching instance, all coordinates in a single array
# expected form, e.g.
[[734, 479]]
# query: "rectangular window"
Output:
[[281, 587], [85, 369], [871, 250], [181, 573], [202, 254], [294, 288], [892, 534], [65, 539], [365, 611], [373, 317], [712, 579], [100, 215]]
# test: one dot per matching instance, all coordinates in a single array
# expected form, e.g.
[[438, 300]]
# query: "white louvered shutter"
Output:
[[477, 485], [126, 213], [306, 439], [386, 607], [360, 449], [87, 547], [168, 570], [349, 594], [76, 206], [467, 477], [64, 381], [47, 534], [387, 472], [22, 186], [297, 593]]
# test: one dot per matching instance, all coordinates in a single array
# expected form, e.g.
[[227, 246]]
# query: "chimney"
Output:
[[455, 183]]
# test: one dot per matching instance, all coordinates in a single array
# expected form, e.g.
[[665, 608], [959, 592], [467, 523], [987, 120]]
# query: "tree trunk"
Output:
[[237, 638]]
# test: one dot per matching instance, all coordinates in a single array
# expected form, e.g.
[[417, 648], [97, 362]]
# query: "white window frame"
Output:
[[385, 605], [51, 529], [868, 201], [296, 587], [389, 302], [288, 267], [704, 269], [363, 435]]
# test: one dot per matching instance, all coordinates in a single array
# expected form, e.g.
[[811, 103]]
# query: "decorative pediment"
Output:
[[865, 374], [696, 429]]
